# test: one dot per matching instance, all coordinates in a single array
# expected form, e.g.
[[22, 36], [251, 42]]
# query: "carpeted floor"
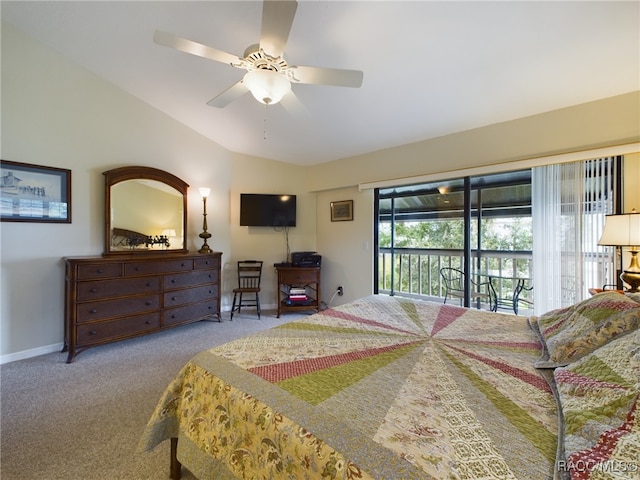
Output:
[[82, 421]]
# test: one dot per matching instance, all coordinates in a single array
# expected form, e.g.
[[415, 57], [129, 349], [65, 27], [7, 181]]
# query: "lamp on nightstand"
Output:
[[624, 231], [204, 192]]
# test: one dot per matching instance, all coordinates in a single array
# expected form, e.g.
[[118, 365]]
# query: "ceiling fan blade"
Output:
[[294, 107], [232, 93], [328, 76], [194, 48], [277, 18]]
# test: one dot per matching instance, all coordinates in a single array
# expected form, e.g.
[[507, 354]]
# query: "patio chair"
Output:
[[454, 282]]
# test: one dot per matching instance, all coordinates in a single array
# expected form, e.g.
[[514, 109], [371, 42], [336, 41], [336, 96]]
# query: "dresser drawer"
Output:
[[191, 295], [87, 312], [299, 278], [173, 316], [200, 277], [104, 331], [117, 287], [103, 270], [155, 267], [206, 262]]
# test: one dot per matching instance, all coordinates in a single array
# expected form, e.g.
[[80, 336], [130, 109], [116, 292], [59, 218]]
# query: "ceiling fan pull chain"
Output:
[[264, 129]]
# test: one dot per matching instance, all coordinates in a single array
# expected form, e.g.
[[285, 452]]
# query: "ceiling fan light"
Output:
[[267, 86]]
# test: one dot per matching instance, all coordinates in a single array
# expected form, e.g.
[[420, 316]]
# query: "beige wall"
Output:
[[347, 247], [631, 182], [258, 175], [606, 122], [57, 114], [631, 198]]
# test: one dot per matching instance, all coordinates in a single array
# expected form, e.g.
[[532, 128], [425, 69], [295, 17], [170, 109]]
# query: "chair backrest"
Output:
[[453, 278], [249, 273]]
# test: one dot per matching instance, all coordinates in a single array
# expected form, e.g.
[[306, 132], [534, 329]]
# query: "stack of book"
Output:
[[298, 295]]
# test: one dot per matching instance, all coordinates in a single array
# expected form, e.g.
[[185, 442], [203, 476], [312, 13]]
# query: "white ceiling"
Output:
[[430, 68]]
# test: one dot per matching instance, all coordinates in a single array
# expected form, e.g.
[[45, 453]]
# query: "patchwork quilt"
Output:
[[599, 396], [383, 387]]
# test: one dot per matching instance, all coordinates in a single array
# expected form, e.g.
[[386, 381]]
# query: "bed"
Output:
[[396, 388]]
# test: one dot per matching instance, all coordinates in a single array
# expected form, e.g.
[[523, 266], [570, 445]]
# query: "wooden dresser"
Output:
[[111, 298]]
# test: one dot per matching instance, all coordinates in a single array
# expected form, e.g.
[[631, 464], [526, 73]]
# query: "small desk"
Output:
[[306, 278]]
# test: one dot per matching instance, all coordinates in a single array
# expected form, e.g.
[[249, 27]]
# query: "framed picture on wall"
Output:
[[34, 193], [342, 211]]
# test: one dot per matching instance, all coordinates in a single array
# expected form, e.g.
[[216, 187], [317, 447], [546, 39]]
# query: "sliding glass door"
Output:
[[484, 227], [465, 224]]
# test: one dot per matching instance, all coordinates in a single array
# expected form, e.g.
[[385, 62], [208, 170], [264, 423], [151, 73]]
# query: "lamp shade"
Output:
[[267, 86], [204, 192], [621, 230]]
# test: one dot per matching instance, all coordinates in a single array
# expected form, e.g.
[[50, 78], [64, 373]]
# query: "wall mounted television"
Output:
[[267, 210]]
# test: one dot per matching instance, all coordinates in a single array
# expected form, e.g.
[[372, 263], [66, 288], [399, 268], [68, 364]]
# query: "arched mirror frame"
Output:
[[117, 175]]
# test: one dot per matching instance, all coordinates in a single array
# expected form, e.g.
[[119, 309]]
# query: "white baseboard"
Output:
[[34, 352], [57, 347]]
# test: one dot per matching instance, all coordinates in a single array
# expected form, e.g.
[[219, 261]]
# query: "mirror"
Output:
[[145, 211]]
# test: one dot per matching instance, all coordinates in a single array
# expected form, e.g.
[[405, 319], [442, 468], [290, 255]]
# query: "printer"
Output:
[[305, 259]]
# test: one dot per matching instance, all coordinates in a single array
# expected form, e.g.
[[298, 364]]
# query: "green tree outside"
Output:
[[499, 234]]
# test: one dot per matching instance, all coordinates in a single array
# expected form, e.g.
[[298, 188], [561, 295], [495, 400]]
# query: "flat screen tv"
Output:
[[267, 210]]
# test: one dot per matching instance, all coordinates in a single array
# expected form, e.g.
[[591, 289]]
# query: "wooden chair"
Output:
[[607, 287], [454, 281], [249, 275]]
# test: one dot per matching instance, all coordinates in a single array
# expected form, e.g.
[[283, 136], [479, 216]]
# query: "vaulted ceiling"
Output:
[[430, 68]]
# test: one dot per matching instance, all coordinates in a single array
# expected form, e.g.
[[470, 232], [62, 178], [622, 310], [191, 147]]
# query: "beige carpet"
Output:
[[82, 421]]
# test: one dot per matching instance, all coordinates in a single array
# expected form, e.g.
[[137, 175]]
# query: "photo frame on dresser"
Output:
[[342, 211], [34, 193]]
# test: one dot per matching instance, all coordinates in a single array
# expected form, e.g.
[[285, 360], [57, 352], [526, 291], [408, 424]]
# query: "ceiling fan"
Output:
[[268, 76]]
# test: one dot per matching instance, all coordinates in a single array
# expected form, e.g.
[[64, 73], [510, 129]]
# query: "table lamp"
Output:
[[624, 231], [204, 193]]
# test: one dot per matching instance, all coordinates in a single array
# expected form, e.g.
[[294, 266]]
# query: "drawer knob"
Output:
[[173, 316], [148, 322], [148, 302], [93, 332], [101, 270], [173, 280], [173, 299], [94, 290], [137, 269], [93, 310], [149, 284]]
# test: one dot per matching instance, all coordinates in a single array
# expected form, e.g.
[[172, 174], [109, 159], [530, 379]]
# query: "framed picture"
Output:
[[33, 193], [342, 211]]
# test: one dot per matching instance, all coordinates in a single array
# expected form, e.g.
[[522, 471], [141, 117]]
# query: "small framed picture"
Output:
[[342, 211], [33, 193]]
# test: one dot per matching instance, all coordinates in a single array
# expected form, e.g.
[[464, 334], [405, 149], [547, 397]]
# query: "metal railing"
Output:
[[416, 271]]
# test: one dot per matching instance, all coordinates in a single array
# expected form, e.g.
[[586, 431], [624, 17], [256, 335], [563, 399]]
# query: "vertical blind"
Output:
[[570, 202]]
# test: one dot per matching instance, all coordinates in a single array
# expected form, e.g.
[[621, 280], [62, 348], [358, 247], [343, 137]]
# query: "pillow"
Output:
[[570, 333], [633, 296], [599, 400]]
